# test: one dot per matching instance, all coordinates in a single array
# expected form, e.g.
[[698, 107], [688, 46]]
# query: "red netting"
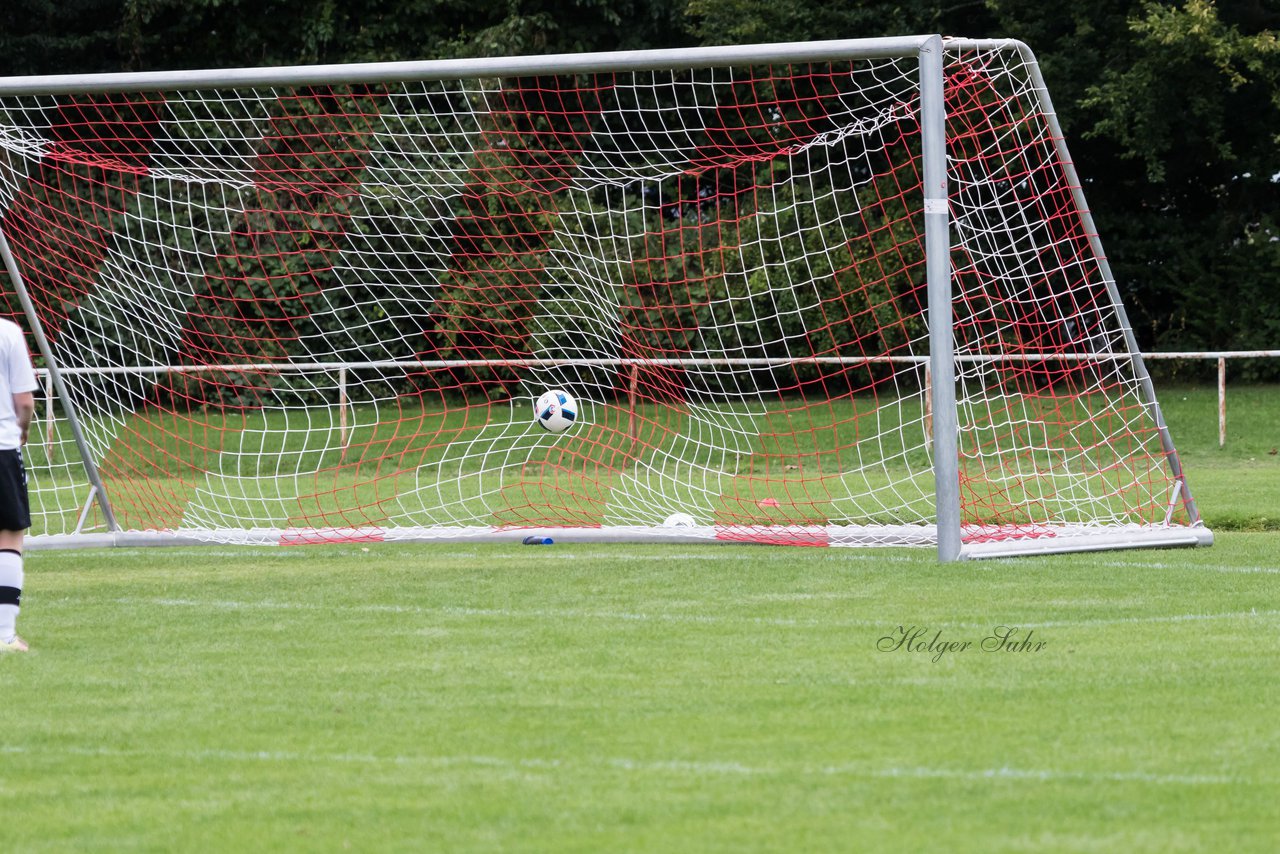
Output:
[[325, 310]]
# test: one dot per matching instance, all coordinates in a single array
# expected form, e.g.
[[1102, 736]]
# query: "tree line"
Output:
[[1171, 109]]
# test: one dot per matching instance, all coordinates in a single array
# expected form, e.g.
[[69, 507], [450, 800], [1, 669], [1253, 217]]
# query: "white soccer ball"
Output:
[[556, 411], [679, 520]]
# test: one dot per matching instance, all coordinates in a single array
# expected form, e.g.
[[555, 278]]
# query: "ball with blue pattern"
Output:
[[556, 410]]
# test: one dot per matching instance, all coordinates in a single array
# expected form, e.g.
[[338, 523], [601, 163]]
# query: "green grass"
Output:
[[460, 697], [586, 698], [1237, 486]]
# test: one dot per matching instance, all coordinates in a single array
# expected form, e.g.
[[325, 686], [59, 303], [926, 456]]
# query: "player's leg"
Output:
[[15, 518], [11, 578]]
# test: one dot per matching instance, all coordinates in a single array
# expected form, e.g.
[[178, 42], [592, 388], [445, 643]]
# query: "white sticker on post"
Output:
[[935, 206]]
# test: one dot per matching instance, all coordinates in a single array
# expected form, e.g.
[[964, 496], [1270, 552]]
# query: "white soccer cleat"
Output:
[[16, 644]]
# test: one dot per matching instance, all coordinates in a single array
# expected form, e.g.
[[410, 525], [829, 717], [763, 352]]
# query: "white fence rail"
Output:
[[1221, 357], [342, 369]]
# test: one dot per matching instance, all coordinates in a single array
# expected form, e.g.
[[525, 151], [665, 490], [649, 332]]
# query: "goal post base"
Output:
[[1067, 540], [979, 541]]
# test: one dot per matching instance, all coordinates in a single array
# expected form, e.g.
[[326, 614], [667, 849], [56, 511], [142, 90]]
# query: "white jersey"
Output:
[[16, 376]]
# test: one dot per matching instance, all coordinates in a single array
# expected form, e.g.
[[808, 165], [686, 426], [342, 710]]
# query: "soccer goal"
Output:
[[842, 293]]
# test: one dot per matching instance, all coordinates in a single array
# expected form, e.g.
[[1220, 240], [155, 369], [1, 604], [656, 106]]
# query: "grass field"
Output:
[[590, 698]]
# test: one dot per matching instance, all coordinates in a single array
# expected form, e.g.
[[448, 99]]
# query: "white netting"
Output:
[[328, 308]]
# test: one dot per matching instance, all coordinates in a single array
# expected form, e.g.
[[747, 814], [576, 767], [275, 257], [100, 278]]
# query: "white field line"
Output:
[[663, 766], [659, 616], [1270, 570], [1253, 613], [1007, 773]]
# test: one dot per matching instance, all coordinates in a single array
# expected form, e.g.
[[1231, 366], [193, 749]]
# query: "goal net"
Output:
[[317, 304]]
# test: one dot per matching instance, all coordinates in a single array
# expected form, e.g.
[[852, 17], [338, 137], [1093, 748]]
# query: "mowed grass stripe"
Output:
[[678, 767], [545, 614]]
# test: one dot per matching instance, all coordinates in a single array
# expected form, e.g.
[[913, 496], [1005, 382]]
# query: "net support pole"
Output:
[[937, 241], [42, 342], [1140, 372]]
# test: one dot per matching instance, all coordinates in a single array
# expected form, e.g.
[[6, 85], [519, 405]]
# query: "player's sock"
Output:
[[10, 592]]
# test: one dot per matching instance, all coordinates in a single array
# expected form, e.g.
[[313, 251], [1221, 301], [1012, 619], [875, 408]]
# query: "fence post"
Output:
[[633, 387], [48, 417], [928, 407], [342, 406], [1222, 401]]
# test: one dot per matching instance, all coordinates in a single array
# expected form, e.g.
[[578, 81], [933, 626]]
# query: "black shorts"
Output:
[[15, 509]]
